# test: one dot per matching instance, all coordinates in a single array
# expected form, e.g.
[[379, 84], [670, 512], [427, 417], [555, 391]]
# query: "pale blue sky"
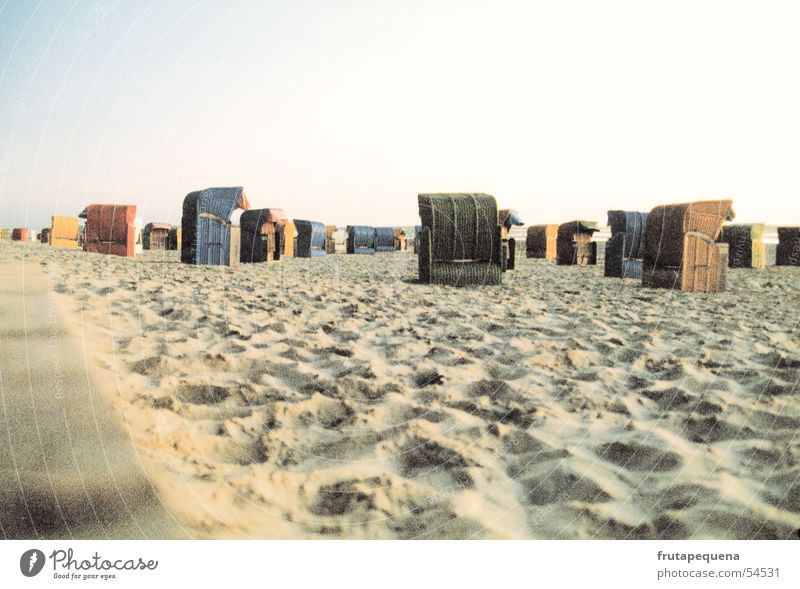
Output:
[[343, 110]]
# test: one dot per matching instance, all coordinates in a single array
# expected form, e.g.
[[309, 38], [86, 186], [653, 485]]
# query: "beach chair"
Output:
[[207, 235], [19, 234], [509, 218], [624, 249], [417, 229], [745, 248], [259, 235], [384, 239], [286, 237], [400, 243], [44, 235], [574, 245], [460, 241], [310, 239], [680, 248], [330, 239], [540, 241], [174, 239], [155, 235], [110, 229], [788, 251], [5, 233], [360, 239], [64, 232]]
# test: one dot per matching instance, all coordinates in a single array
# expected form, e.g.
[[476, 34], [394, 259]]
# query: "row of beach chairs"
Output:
[[685, 246], [463, 239]]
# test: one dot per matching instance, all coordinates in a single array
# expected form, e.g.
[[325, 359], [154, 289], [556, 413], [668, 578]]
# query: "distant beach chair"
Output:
[[745, 248], [540, 241], [384, 239], [330, 239], [44, 236], [64, 232], [509, 218], [259, 235], [286, 237], [400, 243], [625, 248], [207, 235], [360, 239], [574, 245], [19, 234], [138, 240], [417, 230], [110, 229], [310, 239], [155, 236], [788, 250], [460, 241], [174, 239], [5, 233], [680, 249]]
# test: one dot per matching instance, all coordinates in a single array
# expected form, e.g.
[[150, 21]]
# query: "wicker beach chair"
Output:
[[384, 239], [330, 239], [745, 248], [680, 249], [154, 236], [259, 235], [64, 232], [788, 251], [310, 239], [207, 235], [540, 241], [44, 235], [574, 245], [19, 234], [624, 249], [174, 239], [360, 239], [286, 237], [5, 233], [400, 242], [508, 219], [110, 230], [460, 242]]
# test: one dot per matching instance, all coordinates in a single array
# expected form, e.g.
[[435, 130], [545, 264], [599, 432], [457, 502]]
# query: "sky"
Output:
[[342, 111]]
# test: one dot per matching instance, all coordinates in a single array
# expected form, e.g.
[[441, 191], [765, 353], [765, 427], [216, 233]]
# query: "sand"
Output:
[[335, 398]]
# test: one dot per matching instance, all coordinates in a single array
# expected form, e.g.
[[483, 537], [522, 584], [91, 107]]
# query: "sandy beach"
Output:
[[335, 398]]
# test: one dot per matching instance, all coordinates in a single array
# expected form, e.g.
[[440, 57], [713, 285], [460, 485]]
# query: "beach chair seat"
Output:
[[330, 239], [680, 248], [460, 240], [155, 235]]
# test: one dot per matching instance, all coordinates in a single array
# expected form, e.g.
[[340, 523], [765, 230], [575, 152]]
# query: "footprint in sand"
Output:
[[639, 457]]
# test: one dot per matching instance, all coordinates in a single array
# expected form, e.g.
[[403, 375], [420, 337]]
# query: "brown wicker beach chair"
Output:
[[574, 245], [400, 243], [287, 234], [541, 241], [680, 249]]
